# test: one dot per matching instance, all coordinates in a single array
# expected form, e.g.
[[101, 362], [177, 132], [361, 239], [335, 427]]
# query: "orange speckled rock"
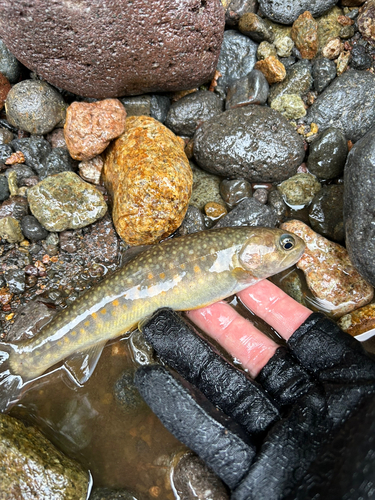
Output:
[[150, 180], [359, 321], [272, 69], [305, 35], [90, 127], [330, 275], [4, 89]]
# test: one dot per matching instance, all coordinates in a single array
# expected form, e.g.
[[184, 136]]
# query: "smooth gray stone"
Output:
[[249, 212]]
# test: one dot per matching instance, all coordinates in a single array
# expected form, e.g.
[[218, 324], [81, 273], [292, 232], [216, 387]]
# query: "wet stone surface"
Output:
[[286, 12], [35, 106], [299, 189], [326, 212], [206, 188], [262, 146], [235, 190], [110, 494], [298, 81], [32, 229], [323, 72], [9, 66], [327, 154], [193, 221], [249, 212], [250, 89]]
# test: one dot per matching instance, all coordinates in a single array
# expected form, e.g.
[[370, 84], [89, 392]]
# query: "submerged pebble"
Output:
[[336, 285], [300, 189], [359, 321], [326, 212], [206, 188], [235, 190]]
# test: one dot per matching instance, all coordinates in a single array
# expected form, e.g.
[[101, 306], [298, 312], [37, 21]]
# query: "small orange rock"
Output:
[[305, 35], [359, 321], [214, 210], [272, 69], [4, 89], [14, 158], [90, 127], [149, 177], [345, 21], [332, 49], [350, 145]]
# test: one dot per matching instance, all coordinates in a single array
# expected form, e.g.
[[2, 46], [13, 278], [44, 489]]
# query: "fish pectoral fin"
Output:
[[245, 277], [82, 364]]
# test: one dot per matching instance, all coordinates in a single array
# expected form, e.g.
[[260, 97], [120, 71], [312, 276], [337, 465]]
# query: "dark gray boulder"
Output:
[[359, 205], [117, 47], [346, 104], [252, 142], [287, 11]]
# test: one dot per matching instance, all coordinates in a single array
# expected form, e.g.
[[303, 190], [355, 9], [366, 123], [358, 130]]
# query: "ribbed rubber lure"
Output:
[[182, 273]]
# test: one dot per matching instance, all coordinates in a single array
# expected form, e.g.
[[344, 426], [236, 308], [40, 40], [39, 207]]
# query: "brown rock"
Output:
[[253, 26], [4, 89], [91, 170], [366, 20], [214, 210], [359, 321], [56, 138], [272, 69], [342, 62], [330, 275], [305, 35], [150, 180], [17, 157], [352, 3], [90, 127], [332, 49], [115, 48]]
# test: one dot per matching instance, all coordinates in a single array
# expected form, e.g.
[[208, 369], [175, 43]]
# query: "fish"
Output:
[[182, 273]]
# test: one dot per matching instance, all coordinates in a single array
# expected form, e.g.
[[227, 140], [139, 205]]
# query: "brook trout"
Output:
[[182, 273]]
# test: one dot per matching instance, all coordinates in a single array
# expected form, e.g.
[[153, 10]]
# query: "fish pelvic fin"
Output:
[[11, 383]]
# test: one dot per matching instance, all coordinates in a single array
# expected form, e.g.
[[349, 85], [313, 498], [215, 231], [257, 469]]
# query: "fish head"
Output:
[[269, 251]]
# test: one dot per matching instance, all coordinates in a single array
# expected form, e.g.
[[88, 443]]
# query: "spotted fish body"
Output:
[[182, 273]]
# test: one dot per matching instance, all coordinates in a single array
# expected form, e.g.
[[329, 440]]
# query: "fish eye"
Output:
[[287, 242]]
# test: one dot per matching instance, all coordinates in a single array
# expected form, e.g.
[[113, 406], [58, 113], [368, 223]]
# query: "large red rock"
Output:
[[115, 48]]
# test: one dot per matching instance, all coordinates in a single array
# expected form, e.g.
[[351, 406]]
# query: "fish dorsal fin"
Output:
[[82, 364], [244, 277]]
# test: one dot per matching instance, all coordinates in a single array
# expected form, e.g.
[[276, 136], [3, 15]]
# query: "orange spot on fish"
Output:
[[74, 333], [182, 266], [103, 311], [87, 323], [162, 276], [115, 303], [94, 315], [150, 276], [197, 269]]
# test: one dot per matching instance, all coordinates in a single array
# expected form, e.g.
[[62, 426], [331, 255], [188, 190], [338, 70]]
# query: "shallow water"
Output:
[[122, 446]]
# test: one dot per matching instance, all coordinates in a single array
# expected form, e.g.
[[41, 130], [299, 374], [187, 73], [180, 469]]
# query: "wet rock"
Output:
[[298, 81], [235, 9], [4, 89], [265, 50], [206, 188], [289, 105], [188, 113], [276, 202], [237, 57], [359, 321], [193, 480], [328, 26], [261, 195], [56, 138], [305, 35], [30, 318], [250, 89], [193, 221], [360, 59], [342, 62], [32, 229], [100, 242], [6, 136], [253, 26], [35, 150], [272, 69], [359, 205], [9, 66], [347, 32], [33, 467], [249, 212], [335, 283], [139, 105], [262, 146], [284, 46], [332, 49], [58, 161], [35, 106], [10, 230], [15, 280], [5, 151], [108, 494], [366, 20], [144, 160], [344, 105], [160, 105], [300, 189], [235, 190], [110, 59], [323, 72], [16, 207], [214, 210], [90, 127], [126, 393], [326, 212], [22, 172], [4, 190], [91, 170], [286, 12], [327, 154], [64, 201]]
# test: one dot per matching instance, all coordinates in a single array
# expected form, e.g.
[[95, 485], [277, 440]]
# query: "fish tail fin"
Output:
[[11, 384]]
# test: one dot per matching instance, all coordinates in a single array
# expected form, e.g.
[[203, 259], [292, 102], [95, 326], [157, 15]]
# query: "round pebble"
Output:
[[235, 190], [299, 190], [328, 154], [32, 229]]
